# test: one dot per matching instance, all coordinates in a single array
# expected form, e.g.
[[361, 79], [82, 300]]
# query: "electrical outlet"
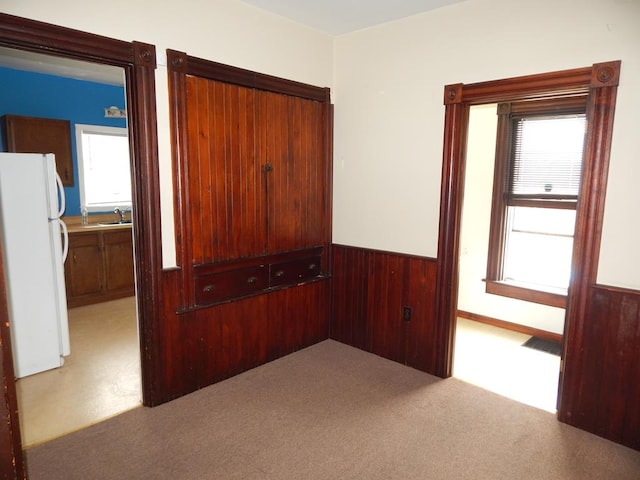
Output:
[[406, 313]]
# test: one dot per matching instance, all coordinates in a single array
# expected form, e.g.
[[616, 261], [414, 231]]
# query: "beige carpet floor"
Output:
[[334, 412]]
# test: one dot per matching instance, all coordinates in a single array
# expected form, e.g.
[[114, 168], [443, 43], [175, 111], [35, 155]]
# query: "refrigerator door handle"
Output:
[[62, 205], [65, 240]]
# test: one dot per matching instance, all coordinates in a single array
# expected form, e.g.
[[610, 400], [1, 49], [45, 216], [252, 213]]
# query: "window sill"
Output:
[[527, 294]]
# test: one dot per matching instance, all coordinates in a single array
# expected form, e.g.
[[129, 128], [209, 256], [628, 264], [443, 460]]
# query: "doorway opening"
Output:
[[137, 60], [493, 331], [102, 375]]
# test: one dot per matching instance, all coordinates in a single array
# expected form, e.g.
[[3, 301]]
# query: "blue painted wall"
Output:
[[49, 96]]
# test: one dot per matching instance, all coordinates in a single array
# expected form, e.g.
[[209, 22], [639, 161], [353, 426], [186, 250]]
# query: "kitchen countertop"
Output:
[[95, 226], [74, 223]]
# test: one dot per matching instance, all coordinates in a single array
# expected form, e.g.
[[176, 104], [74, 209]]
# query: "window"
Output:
[[103, 167], [536, 186]]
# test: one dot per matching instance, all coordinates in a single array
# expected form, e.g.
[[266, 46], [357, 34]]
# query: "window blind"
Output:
[[546, 157]]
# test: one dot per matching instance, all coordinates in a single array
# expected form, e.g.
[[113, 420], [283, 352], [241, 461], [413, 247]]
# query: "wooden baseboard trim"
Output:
[[534, 332]]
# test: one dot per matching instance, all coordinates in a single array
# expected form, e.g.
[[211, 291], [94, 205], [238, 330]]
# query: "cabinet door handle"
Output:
[[279, 273], [209, 288], [252, 280], [268, 167]]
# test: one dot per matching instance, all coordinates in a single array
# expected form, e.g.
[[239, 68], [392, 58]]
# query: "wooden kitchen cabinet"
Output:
[[99, 266], [118, 261], [42, 135]]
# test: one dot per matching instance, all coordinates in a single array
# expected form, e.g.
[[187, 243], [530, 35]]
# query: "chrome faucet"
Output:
[[121, 214]]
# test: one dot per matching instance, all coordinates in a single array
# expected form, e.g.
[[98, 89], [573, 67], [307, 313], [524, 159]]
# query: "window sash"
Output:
[[104, 167], [506, 197], [546, 157]]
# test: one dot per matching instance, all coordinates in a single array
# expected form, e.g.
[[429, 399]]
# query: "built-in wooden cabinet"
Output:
[[254, 183], [252, 157], [257, 172], [99, 266]]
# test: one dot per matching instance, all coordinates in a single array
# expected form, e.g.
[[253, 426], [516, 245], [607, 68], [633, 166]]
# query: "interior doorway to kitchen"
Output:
[[102, 375]]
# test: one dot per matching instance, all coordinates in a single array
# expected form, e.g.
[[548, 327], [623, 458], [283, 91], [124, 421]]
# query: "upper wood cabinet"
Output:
[[253, 180], [41, 135], [257, 172]]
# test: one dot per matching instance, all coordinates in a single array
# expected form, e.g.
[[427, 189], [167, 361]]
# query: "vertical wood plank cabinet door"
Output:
[[291, 149], [226, 205]]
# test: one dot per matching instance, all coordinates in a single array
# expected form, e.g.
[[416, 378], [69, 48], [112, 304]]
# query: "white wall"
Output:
[[226, 31], [387, 87], [389, 84], [474, 236]]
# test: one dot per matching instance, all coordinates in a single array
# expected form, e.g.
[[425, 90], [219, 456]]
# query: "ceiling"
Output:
[[337, 17], [64, 67]]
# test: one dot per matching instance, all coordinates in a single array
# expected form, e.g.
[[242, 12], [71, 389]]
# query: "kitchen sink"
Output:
[[116, 222]]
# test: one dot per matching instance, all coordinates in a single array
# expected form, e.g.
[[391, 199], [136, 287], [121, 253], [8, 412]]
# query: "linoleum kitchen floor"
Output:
[[494, 359], [100, 379]]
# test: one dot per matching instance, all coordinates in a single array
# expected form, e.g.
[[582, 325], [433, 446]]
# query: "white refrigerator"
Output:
[[35, 244]]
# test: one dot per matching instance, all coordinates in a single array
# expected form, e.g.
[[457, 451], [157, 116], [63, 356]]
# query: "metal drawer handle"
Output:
[[279, 273], [312, 266], [252, 280], [209, 288]]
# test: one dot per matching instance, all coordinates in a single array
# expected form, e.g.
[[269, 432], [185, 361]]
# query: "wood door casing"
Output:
[[577, 405], [12, 465]]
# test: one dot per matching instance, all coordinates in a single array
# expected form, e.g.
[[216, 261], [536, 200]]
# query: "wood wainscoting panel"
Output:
[[607, 363], [207, 345], [371, 290]]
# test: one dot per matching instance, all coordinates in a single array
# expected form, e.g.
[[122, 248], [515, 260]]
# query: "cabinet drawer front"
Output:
[[235, 283], [84, 239], [122, 236], [294, 271]]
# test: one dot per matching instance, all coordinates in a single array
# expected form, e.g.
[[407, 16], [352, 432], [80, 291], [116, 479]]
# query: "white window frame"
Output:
[[81, 129]]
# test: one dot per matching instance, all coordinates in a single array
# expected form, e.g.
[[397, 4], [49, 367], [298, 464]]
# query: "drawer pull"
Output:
[[209, 288], [312, 266], [252, 280], [279, 273]]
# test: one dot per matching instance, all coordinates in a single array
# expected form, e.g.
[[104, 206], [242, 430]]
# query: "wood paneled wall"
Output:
[[370, 290], [602, 367], [211, 344]]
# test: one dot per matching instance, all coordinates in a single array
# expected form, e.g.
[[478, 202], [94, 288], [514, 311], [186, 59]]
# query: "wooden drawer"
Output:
[[234, 283], [294, 271]]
